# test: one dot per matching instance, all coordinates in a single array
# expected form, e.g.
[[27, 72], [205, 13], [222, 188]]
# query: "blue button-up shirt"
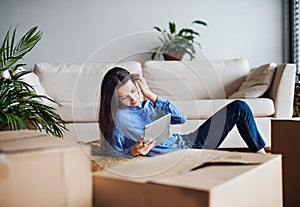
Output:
[[130, 123]]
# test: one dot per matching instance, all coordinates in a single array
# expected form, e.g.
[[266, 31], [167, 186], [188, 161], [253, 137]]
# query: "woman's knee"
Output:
[[239, 104]]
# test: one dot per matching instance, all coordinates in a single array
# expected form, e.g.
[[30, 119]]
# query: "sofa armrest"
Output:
[[282, 90]]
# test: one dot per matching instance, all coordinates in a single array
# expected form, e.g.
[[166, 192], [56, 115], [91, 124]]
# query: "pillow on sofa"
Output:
[[33, 80], [257, 82]]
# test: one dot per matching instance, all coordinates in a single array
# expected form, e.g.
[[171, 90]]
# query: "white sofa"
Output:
[[200, 88]]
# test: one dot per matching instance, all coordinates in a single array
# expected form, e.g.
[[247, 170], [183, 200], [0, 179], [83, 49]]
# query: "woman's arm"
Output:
[[119, 145], [142, 83], [177, 116]]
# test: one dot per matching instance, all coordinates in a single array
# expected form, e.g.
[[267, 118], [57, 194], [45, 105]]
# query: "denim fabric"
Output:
[[214, 130], [130, 123]]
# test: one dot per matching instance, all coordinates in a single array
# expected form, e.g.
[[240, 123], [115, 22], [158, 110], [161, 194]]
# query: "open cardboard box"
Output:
[[39, 170], [192, 178]]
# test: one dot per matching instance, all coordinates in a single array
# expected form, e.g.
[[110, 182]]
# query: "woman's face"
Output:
[[128, 94]]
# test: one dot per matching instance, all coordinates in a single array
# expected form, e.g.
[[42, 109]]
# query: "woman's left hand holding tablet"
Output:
[[141, 147]]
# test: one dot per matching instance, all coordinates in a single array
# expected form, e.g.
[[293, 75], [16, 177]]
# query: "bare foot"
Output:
[[261, 151]]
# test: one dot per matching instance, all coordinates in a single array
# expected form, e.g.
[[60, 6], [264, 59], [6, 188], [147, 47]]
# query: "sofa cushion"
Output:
[[257, 82], [193, 109], [202, 109], [77, 82], [33, 80], [77, 112], [197, 79]]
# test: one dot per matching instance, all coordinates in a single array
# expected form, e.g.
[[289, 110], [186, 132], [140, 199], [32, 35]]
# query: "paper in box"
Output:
[[167, 180], [39, 170]]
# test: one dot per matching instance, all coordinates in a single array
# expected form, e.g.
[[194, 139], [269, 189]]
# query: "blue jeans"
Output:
[[214, 130]]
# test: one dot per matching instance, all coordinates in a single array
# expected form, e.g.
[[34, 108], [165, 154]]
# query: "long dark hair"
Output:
[[114, 78]]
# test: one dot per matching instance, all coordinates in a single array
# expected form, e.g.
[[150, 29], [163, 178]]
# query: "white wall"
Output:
[[111, 30]]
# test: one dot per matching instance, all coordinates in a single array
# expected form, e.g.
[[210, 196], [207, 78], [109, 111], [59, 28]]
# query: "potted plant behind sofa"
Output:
[[20, 106], [176, 44]]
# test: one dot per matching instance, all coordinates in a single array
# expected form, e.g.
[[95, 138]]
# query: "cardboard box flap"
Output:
[[20, 134], [212, 177], [25, 140], [175, 169], [166, 165]]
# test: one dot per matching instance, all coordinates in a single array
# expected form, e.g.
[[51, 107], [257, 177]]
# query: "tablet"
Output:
[[159, 130]]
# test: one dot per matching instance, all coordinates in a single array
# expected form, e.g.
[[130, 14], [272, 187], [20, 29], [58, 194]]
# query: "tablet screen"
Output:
[[159, 130]]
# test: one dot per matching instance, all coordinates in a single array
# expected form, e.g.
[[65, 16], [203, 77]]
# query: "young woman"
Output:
[[122, 118]]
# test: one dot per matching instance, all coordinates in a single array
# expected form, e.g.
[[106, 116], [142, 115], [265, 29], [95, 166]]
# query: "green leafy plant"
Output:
[[20, 106], [176, 44], [296, 112]]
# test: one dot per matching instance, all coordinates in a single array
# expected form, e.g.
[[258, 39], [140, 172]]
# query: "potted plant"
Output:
[[296, 112], [176, 44], [20, 106]]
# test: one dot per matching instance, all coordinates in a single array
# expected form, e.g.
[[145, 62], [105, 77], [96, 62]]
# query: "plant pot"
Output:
[[172, 56], [6, 127]]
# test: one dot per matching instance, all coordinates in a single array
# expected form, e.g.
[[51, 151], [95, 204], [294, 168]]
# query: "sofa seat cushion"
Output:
[[193, 109], [203, 109]]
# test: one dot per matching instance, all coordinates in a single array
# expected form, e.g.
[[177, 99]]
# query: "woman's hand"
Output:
[[142, 83], [141, 148]]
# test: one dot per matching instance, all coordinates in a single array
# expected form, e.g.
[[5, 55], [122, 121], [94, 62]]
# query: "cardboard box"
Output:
[[226, 179], [286, 140], [39, 170]]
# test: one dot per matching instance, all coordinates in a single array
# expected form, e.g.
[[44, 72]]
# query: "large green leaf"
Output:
[[158, 29], [12, 53], [172, 27], [186, 31], [199, 22]]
